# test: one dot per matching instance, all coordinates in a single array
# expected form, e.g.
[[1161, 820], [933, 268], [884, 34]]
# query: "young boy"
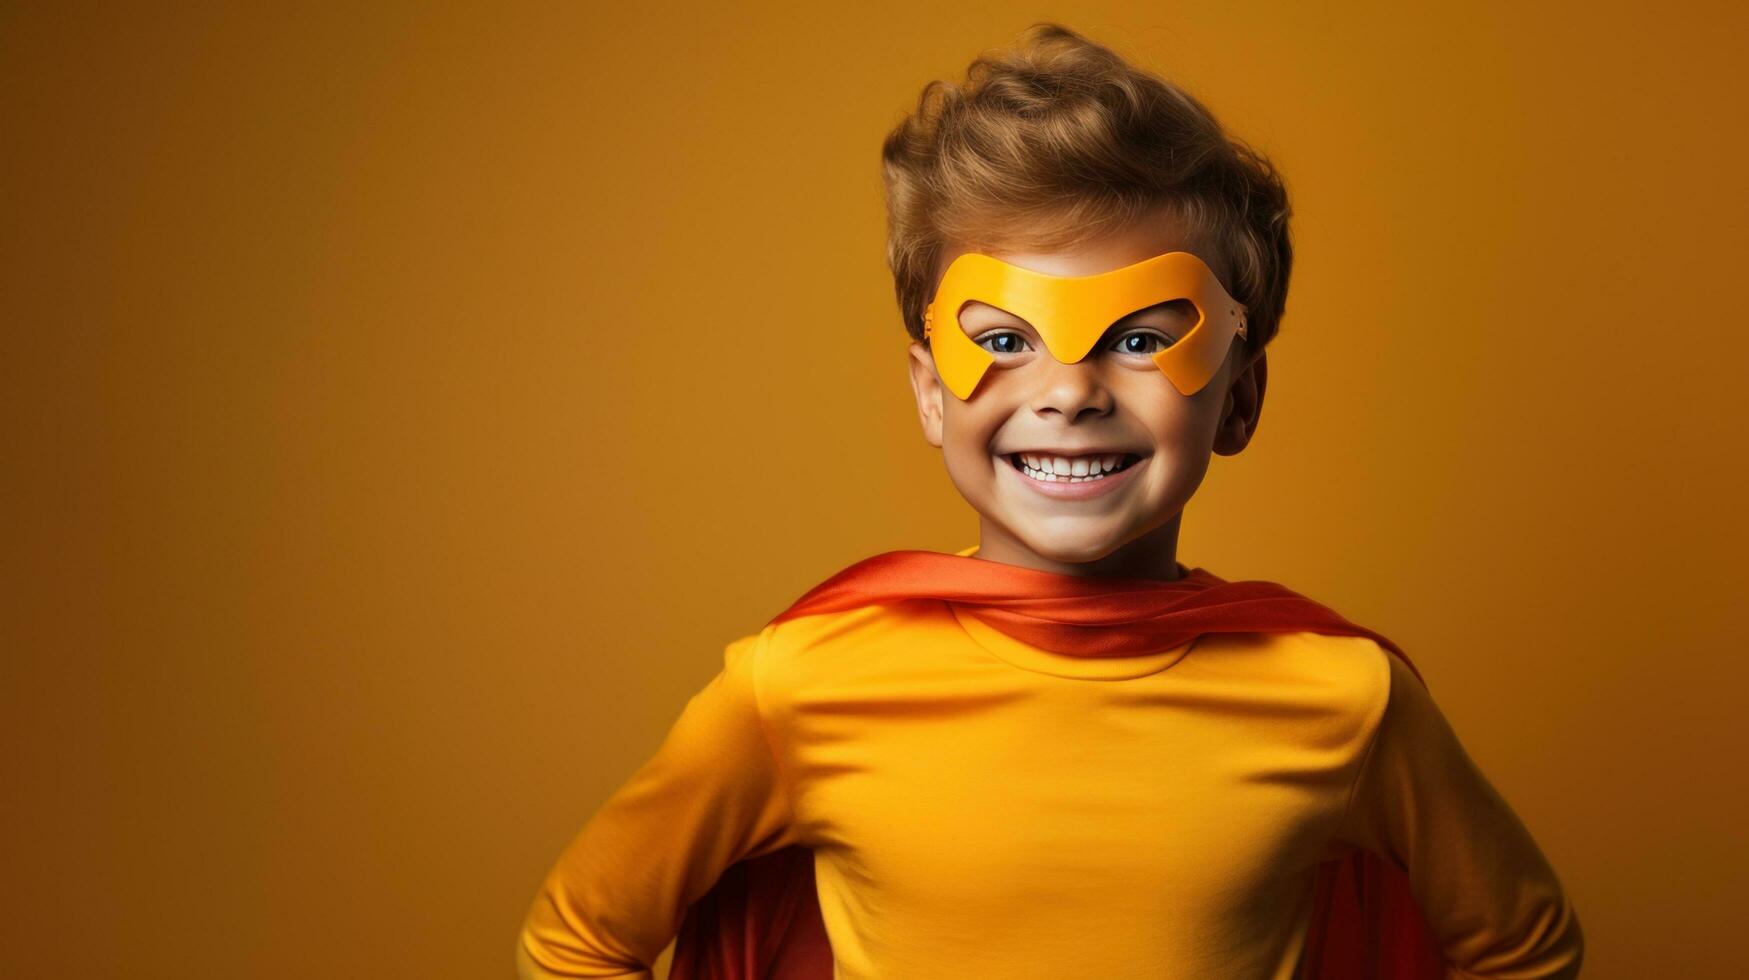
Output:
[[1061, 752]]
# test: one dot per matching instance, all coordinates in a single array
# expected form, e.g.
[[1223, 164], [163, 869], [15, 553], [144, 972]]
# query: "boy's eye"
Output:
[[1142, 341], [1134, 342], [1002, 342]]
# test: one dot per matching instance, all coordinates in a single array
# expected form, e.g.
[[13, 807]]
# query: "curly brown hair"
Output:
[[1056, 140]]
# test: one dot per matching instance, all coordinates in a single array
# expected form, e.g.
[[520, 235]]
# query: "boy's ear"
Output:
[[1244, 404], [926, 385]]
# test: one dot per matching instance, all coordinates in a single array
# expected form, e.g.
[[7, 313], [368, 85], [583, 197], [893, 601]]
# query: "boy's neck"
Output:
[[1152, 556]]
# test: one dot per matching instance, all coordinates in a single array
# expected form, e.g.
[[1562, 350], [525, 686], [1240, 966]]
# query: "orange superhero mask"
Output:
[[1071, 314]]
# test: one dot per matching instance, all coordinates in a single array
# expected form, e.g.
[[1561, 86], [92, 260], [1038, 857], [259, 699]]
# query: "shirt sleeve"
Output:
[[711, 796], [1486, 891]]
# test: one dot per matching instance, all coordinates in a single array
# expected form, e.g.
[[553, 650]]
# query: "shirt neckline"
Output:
[[1041, 661]]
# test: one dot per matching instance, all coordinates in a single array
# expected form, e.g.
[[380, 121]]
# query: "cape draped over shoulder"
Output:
[[762, 920]]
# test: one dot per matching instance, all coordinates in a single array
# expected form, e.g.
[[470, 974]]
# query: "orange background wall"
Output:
[[403, 407]]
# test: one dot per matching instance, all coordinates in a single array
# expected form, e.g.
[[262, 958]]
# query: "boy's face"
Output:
[[1114, 401]]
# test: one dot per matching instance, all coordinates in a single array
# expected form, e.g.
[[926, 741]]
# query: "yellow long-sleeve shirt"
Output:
[[982, 808]]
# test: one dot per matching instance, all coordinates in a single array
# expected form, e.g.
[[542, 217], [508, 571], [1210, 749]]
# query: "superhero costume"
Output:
[[1000, 772]]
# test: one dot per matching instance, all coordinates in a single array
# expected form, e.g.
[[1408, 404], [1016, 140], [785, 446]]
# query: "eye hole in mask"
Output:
[[1071, 313], [1141, 334]]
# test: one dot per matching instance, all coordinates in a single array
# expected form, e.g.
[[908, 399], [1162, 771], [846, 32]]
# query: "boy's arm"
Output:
[[1487, 893], [712, 795]]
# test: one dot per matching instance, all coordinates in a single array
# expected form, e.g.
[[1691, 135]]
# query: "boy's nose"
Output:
[[1069, 389]]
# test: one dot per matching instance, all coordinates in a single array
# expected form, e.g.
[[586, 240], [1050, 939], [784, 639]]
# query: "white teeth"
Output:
[[1061, 469]]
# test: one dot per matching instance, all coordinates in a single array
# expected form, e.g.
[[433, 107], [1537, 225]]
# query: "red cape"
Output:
[[761, 920]]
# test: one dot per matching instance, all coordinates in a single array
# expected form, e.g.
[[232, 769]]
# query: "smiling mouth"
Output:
[[1049, 469]]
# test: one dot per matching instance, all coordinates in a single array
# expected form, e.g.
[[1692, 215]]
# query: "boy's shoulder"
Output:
[[1355, 669], [866, 629], [1318, 654], [1353, 665], [838, 650]]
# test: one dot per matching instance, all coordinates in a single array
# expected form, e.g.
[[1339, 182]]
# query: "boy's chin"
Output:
[[1072, 544]]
